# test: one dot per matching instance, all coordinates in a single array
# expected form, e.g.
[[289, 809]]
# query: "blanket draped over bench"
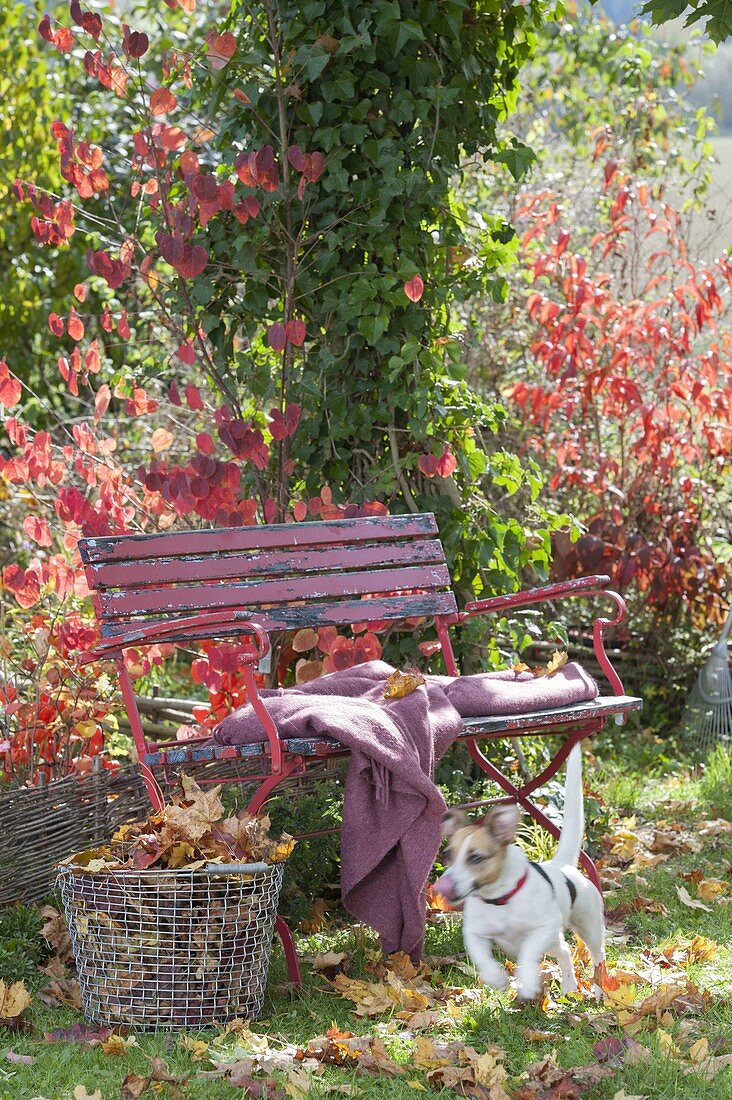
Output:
[[392, 808]]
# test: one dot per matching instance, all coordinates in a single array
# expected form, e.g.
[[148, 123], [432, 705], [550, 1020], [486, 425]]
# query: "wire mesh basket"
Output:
[[172, 948]]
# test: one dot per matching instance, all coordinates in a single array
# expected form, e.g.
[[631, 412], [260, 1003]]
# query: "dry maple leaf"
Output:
[[134, 1086], [712, 889], [80, 1093], [78, 1033], [318, 919], [623, 843], [196, 1049], [401, 684], [401, 964], [558, 660], [14, 999], [665, 840], [691, 903], [118, 1044], [199, 811], [330, 963], [299, 1084], [63, 991], [56, 934], [705, 1063]]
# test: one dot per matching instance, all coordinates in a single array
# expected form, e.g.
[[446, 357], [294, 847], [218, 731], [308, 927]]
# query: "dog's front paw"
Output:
[[529, 992], [522, 998], [495, 977], [569, 984]]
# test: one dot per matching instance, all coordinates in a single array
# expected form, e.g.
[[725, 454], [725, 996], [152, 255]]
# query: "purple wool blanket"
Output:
[[392, 810]]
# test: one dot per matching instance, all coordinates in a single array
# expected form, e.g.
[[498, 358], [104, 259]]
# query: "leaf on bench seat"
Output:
[[401, 684], [558, 660]]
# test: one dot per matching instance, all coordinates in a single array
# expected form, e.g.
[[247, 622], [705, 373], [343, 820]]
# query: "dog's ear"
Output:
[[503, 822], [453, 820]]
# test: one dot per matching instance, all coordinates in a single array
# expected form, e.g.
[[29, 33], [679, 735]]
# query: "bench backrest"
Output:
[[284, 576]]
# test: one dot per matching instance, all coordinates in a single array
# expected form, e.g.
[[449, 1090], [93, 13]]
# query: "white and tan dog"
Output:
[[522, 907]]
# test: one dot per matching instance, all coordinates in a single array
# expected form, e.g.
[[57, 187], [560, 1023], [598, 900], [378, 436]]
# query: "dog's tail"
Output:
[[573, 825]]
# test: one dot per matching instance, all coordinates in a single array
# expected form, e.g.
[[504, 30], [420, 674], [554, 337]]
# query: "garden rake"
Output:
[[708, 716]]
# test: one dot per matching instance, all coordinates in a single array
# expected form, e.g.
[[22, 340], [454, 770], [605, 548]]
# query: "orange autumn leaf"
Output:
[[162, 101], [401, 684]]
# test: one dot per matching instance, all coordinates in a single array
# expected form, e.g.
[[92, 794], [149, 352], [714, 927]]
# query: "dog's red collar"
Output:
[[505, 898]]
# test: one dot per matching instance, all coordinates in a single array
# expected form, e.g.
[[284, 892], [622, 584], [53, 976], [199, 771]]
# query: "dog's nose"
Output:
[[445, 886]]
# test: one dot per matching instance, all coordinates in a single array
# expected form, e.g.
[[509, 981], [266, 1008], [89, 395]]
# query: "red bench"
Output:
[[252, 582]]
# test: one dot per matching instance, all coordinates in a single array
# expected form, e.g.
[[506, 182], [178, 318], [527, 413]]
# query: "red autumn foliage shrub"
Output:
[[630, 403]]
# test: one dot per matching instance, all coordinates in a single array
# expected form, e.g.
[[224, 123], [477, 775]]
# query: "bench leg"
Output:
[[521, 794], [262, 793], [288, 946]]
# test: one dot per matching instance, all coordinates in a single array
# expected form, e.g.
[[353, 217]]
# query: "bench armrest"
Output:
[[204, 626], [581, 586]]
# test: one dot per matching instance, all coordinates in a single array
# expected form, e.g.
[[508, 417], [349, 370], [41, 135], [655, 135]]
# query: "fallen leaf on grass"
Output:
[[134, 1086], [667, 841], [256, 1088], [54, 968], [118, 1044], [14, 999], [619, 1052], [712, 889], [534, 1035], [682, 953], [80, 1093], [635, 905], [684, 998], [715, 827], [705, 1063], [56, 934], [318, 919], [666, 1044], [78, 1033], [401, 965], [548, 1081], [299, 1084], [623, 1095], [330, 963], [610, 877], [19, 1059], [406, 991], [341, 1048], [65, 992], [432, 1019], [375, 998], [686, 899], [623, 843], [196, 1049]]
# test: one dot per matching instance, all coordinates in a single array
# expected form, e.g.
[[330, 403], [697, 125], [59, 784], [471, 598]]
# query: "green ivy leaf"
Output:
[[518, 159]]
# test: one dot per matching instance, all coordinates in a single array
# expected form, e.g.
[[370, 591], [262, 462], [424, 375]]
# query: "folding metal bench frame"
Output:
[[251, 582]]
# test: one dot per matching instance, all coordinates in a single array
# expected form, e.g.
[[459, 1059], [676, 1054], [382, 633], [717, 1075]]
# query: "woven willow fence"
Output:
[[41, 825]]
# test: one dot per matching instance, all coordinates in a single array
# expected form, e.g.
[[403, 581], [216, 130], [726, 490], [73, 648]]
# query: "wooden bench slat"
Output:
[[116, 548], [203, 597], [269, 563], [390, 608]]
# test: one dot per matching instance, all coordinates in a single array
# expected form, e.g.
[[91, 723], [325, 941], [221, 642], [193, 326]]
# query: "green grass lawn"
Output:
[[643, 804]]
